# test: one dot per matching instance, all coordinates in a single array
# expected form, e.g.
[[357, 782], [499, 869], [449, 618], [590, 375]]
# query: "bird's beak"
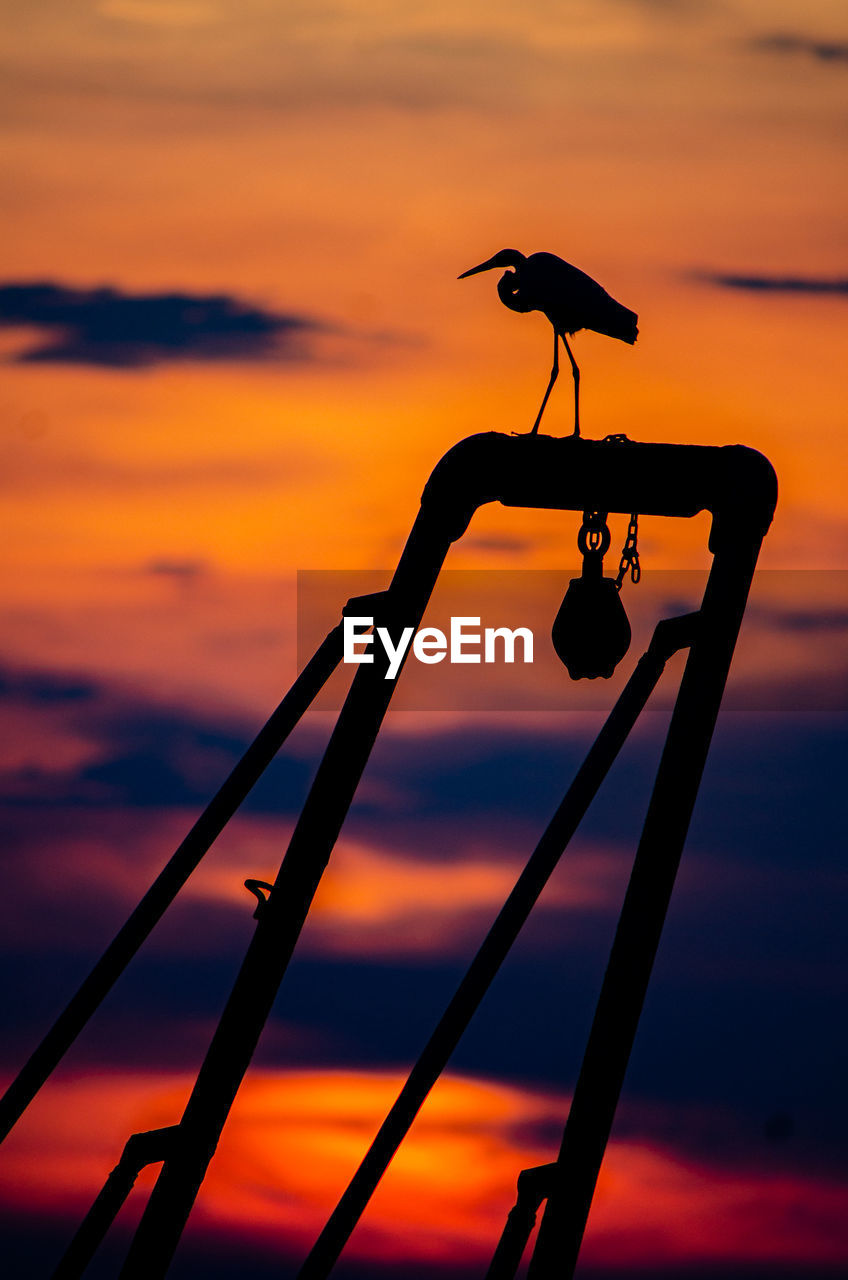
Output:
[[484, 266]]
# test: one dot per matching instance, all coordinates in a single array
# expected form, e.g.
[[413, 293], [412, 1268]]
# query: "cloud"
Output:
[[377, 902], [499, 544], [835, 285], [157, 13], [806, 46], [141, 753], [341, 55], [806, 621], [35, 687], [295, 1137], [179, 570], [109, 327]]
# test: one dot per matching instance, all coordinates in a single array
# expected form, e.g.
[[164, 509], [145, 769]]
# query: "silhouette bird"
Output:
[[568, 297]]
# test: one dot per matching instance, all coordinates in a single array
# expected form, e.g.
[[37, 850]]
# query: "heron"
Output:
[[569, 298]]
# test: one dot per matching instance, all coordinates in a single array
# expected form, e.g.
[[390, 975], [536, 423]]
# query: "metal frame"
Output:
[[738, 487]]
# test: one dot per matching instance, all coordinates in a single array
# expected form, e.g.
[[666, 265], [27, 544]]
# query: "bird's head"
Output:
[[504, 258]]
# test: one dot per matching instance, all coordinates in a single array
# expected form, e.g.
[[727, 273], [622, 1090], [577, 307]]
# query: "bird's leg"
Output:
[[576, 373], [554, 375]]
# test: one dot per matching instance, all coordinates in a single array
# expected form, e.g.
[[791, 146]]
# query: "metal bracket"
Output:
[[260, 890]]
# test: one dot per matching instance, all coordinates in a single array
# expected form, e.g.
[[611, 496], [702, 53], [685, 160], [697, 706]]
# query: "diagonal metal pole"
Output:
[[281, 917], [168, 883], [646, 903], [669, 636]]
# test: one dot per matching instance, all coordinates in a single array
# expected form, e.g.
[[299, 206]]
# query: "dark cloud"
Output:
[[835, 285], [803, 620], [143, 754], [465, 780], [806, 46], [499, 544], [44, 688], [109, 327], [179, 570], [672, 8]]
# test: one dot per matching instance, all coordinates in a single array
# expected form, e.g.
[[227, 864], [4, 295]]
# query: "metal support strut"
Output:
[[533, 1187], [141, 1150], [643, 913]]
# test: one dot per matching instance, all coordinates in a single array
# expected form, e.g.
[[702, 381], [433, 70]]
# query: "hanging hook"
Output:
[[260, 889]]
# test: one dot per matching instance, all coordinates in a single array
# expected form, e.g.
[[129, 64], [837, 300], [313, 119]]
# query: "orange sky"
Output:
[[347, 165], [344, 163]]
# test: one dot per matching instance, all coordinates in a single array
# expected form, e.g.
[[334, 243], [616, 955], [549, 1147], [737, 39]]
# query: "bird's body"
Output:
[[569, 298]]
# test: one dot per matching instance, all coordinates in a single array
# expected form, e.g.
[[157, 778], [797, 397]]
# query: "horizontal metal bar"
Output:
[[736, 484]]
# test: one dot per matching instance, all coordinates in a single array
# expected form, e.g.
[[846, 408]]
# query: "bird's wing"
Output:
[[569, 297]]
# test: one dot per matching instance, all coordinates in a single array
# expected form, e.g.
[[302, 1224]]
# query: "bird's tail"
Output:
[[620, 323]]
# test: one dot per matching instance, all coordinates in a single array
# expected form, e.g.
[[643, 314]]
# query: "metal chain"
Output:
[[630, 554], [594, 534]]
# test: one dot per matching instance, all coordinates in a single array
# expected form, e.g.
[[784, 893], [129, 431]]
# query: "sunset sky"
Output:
[[234, 347]]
